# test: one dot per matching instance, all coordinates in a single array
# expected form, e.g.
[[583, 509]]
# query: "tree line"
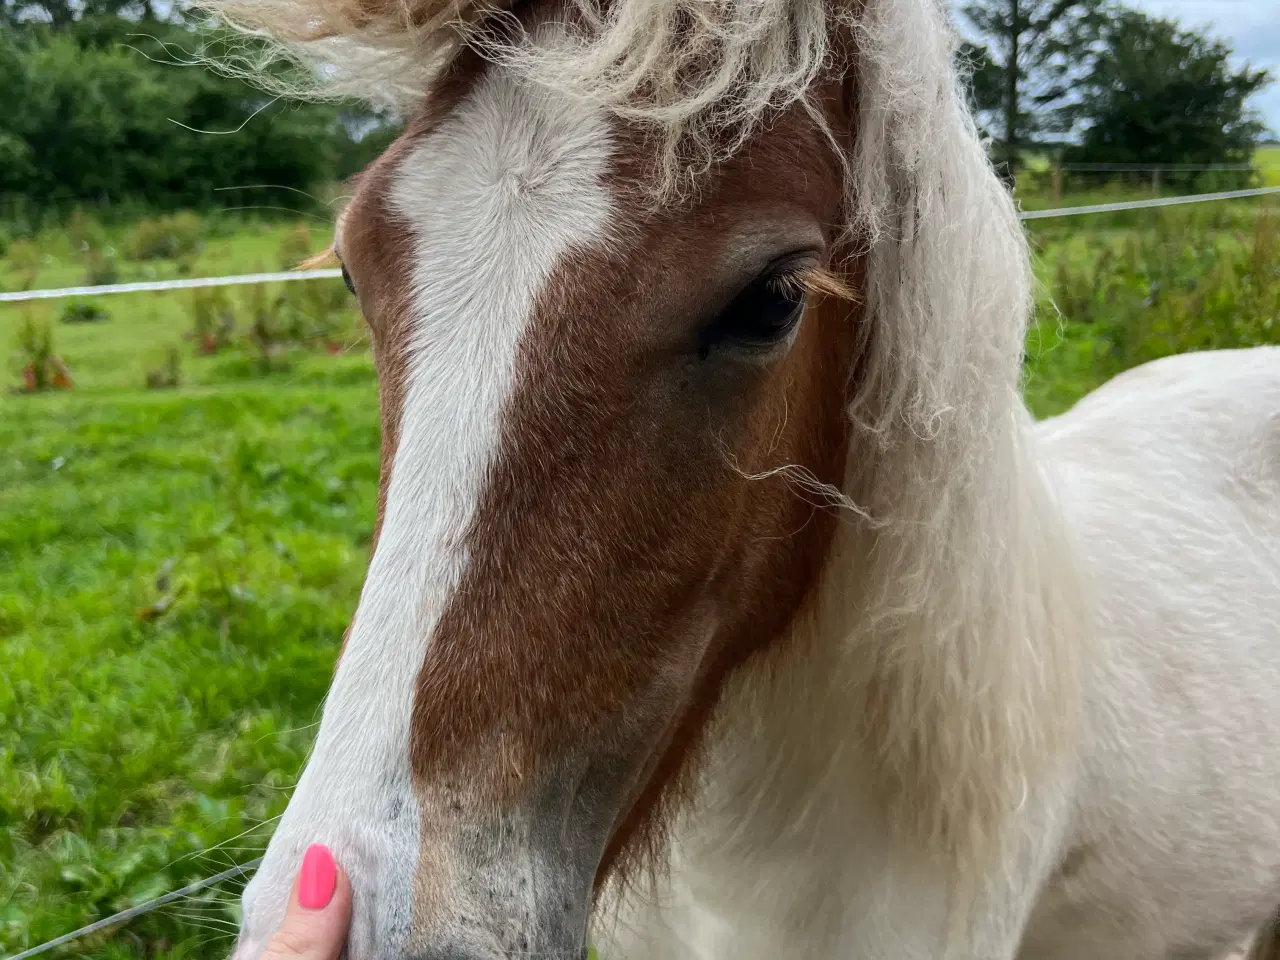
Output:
[[102, 106], [1101, 82]]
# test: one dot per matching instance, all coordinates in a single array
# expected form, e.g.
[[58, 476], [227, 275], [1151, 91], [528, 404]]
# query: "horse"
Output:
[[726, 602]]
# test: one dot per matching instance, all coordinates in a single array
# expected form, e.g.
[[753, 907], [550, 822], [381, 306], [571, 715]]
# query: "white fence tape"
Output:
[[150, 286], [1146, 204]]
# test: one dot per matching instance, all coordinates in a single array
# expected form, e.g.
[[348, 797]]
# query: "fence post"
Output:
[[1057, 181], [1155, 182]]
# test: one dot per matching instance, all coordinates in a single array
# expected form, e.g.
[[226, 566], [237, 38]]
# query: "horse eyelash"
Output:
[[816, 281], [327, 257]]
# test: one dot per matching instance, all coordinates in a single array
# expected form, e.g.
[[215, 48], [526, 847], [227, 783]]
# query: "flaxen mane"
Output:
[[960, 603]]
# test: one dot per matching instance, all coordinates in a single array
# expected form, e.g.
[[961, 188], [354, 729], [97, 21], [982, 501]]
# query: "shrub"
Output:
[[295, 247], [267, 339], [42, 369], [101, 268], [213, 319], [1177, 286], [165, 238], [167, 373], [25, 257], [310, 312], [84, 311], [85, 233], [313, 311], [88, 119]]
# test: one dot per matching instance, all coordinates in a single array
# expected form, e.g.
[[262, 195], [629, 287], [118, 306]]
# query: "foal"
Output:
[[723, 589]]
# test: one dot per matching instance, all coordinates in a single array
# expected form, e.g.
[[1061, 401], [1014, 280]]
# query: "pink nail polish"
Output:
[[318, 877]]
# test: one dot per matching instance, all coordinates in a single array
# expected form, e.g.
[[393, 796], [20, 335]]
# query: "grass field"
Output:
[[1035, 185], [1120, 290], [177, 565], [176, 571], [1268, 164]]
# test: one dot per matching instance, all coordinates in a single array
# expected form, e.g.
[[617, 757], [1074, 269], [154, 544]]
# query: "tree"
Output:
[[1024, 57], [90, 119], [1162, 94]]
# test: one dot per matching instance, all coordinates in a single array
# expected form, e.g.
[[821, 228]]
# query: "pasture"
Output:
[[177, 565], [1268, 164]]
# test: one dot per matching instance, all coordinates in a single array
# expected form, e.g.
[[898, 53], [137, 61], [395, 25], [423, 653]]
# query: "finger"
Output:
[[319, 910]]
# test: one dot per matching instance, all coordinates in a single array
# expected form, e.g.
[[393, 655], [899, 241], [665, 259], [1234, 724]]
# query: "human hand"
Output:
[[319, 911]]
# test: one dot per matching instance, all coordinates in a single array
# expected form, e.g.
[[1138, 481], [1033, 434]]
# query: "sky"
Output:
[[1252, 27]]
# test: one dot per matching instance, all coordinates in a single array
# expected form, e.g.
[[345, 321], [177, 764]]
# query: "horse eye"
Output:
[[763, 314], [346, 278]]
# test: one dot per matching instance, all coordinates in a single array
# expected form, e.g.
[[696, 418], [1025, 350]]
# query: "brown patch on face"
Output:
[[766, 576], [620, 564]]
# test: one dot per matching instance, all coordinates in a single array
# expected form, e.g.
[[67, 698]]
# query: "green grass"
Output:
[[1035, 193], [1268, 162], [177, 566], [1117, 290], [114, 356], [175, 573], [227, 246]]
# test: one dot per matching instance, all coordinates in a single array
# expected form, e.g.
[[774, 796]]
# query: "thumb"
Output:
[[319, 910]]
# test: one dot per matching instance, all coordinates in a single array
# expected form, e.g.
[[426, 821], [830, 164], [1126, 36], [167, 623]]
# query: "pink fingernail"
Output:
[[318, 877]]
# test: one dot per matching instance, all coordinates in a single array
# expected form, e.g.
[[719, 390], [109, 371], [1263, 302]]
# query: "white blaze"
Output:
[[504, 188]]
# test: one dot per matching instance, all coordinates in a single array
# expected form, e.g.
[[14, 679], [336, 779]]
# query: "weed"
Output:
[[268, 340], [313, 311], [189, 562], [213, 319], [25, 259], [84, 311], [295, 247], [165, 238], [41, 368], [1166, 290], [85, 234], [166, 374], [101, 268]]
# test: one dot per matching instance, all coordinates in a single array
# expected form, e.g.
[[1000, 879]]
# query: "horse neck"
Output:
[[934, 673]]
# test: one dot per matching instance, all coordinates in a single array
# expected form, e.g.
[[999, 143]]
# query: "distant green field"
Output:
[[1268, 162], [1035, 193], [177, 566]]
